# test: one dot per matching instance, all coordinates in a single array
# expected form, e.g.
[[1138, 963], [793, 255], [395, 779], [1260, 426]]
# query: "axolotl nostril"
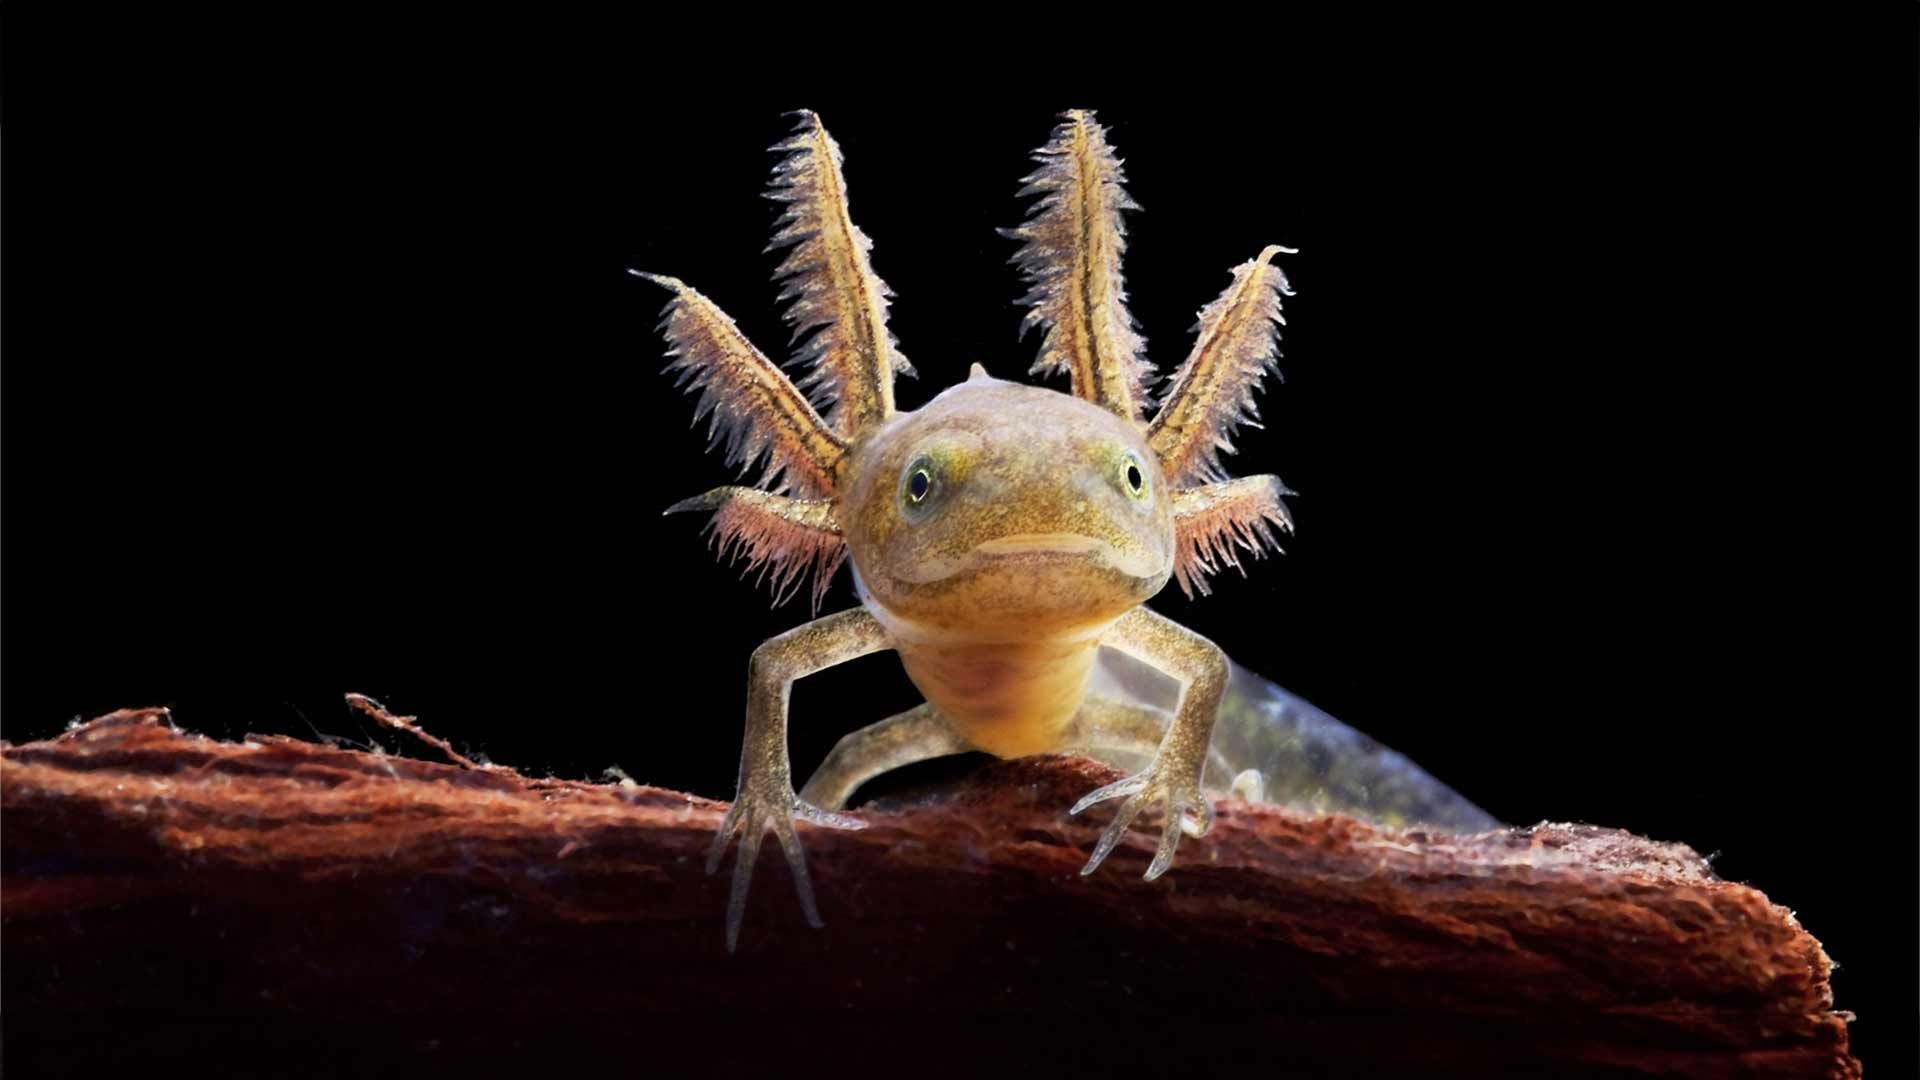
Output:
[[1001, 536]]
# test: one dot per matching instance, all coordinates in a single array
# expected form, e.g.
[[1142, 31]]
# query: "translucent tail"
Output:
[[1304, 758]]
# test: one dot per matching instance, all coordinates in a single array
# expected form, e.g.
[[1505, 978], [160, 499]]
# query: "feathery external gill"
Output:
[[851, 356], [784, 539], [1211, 394], [1211, 521], [756, 410], [1074, 240]]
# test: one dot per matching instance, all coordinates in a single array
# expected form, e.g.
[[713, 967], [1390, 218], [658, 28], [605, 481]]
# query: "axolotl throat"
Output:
[[1001, 535]]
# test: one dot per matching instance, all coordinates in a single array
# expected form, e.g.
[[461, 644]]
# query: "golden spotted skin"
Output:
[[1000, 535]]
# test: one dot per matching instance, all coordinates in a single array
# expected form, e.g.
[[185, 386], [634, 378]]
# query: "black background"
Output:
[[324, 374]]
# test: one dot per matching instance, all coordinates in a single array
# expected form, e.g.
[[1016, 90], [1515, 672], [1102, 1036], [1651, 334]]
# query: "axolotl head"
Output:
[[1002, 508]]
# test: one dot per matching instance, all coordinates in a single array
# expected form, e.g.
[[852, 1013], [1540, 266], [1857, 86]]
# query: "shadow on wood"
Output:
[[279, 906]]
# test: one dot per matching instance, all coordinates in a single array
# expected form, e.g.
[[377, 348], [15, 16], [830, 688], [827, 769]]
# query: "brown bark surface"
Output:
[[276, 906]]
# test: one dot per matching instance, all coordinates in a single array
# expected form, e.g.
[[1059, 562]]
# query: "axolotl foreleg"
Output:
[[766, 801]]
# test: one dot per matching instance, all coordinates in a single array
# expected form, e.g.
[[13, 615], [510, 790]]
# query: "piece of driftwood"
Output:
[[280, 907]]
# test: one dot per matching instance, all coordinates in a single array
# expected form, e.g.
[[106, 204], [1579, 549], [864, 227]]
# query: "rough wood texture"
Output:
[[277, 906]]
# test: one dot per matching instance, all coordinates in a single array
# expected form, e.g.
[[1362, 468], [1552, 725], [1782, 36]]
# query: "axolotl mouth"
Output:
[[1037, 549], [1054, 543]]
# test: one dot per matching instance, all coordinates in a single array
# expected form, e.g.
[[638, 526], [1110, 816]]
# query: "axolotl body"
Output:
[[1001, 535]]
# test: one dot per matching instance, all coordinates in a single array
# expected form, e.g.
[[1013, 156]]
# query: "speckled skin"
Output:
[[997, 587], [1000, 535]]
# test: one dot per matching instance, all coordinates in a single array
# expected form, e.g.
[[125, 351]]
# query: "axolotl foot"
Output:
[[753, 816], [1187, 810]]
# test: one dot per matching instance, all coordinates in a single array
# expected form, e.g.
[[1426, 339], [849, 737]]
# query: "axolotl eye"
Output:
[[919, 487], [1133, 477]]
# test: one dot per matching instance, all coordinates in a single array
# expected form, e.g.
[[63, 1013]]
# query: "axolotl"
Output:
[[1002, 535]]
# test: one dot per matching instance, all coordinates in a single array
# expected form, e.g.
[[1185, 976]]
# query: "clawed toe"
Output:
[[1116, 831], [1132, 785], [743, 862], [752, 825], [1192, 816], [728, 826]]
